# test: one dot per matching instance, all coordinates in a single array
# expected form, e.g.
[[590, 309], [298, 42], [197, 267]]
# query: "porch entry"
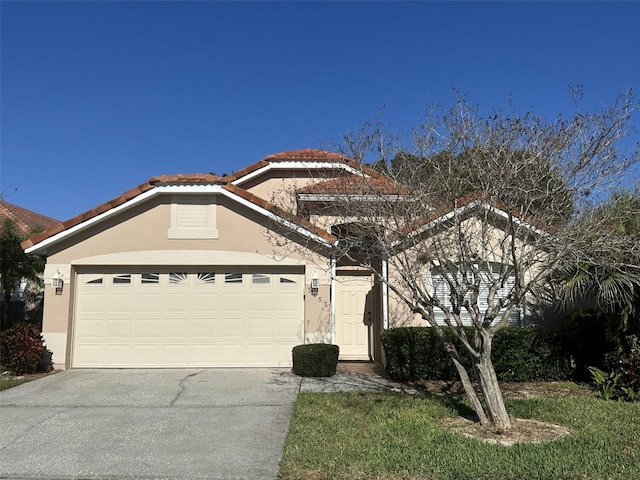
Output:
[[354, 315]]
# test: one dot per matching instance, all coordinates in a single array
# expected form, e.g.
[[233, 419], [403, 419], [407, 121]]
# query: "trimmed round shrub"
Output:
[[315, 359], [21, 348]]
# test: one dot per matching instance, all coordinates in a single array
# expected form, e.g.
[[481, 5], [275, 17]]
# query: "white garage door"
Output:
[[184, 318]]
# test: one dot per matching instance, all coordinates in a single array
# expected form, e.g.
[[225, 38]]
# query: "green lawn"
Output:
[[11, 382], [365, 435]]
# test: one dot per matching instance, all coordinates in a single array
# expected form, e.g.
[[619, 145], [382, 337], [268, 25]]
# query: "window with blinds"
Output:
[[442, 280]]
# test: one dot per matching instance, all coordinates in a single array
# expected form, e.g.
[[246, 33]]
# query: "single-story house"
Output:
[[187, 271]]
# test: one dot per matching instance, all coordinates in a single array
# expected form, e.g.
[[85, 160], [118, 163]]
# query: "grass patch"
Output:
[[386, 436], [6, 383]]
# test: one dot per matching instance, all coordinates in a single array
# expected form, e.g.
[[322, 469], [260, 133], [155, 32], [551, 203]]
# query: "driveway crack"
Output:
[[182, 387], [27, 430]]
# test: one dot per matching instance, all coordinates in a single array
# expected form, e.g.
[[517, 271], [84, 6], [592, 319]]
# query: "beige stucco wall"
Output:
[[485, 238], [139, 236]]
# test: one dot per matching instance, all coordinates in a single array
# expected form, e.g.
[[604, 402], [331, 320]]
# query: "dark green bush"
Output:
[[315, 360], [586, 340], [530, 354], [21, 348], [519, 354]]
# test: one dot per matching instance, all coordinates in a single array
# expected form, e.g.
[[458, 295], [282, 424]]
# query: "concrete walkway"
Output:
[[161, 424], [351, 376]]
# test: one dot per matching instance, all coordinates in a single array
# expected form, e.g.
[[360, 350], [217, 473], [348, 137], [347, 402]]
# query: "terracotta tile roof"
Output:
[[27, 221], [163, 180], [307, 154], [245, 171], [187, 179], [355, 184], [83, 217]]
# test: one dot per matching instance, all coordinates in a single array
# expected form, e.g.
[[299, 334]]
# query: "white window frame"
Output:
[[443, 294]]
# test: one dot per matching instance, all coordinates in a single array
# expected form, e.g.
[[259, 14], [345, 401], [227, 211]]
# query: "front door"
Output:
[[354, 315]]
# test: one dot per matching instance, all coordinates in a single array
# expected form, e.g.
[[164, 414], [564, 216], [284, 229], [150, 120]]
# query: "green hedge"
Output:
[[315, 360], [519, 355]]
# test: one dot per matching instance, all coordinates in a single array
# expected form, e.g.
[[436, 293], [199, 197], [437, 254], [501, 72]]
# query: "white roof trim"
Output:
[[297, 165], [40, 247], [470, 206], [297, 228]]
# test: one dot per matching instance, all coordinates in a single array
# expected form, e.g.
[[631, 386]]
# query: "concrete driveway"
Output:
[[161, 424]]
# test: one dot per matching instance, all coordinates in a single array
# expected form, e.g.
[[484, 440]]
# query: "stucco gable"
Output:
[[467, 207], [169, 185]]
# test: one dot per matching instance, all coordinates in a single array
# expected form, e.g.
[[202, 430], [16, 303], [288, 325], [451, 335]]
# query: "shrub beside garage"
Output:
[[21, 348], [315, 360]]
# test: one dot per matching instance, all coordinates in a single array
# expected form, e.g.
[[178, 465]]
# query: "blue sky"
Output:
[[97, 97]]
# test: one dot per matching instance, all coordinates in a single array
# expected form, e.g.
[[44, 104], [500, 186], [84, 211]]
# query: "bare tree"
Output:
[[471, 213]]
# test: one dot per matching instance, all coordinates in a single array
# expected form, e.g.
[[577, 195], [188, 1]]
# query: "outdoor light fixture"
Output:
[[57, 282], [314, 284]]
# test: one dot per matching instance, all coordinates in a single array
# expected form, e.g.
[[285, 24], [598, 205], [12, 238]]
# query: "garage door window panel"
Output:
[[121, 279], [150, 279], [206, 278], [260, 279], [94, 280], [233, 278], [178, 278]]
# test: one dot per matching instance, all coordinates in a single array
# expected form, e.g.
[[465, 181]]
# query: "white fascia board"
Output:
[[517, 220], [40, 246], [170, 189], [272, 216], [189, 189], [298, 165], [470, 206]]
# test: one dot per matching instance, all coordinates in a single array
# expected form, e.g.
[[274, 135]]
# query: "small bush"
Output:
[[519, 354], [621, 378], [21, 348], [315, 360]]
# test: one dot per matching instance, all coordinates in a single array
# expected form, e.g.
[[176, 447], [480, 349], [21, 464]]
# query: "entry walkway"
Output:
[[351, 376]]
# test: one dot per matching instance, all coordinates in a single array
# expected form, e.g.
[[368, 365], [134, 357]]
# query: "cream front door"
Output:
[[354, 316]]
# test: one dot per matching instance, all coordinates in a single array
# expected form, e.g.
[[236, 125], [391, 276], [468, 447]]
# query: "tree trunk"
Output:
[[490, 387], [472, 396]]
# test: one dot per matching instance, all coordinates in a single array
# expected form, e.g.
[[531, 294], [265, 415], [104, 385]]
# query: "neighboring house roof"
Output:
[[27, 221]]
